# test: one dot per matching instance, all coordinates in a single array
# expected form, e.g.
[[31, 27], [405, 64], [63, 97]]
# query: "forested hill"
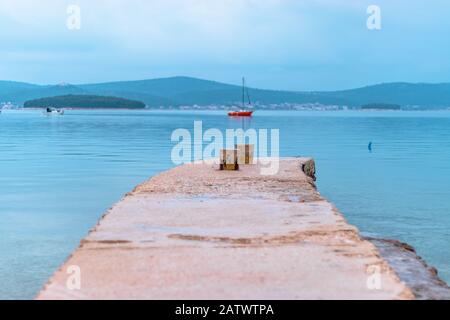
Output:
[[84, 102]]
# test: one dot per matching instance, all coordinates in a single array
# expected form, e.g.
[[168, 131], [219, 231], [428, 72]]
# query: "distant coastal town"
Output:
[[257, 106]]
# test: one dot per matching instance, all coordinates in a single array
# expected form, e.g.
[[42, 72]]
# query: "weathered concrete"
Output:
[[423, 280], [198, 233]]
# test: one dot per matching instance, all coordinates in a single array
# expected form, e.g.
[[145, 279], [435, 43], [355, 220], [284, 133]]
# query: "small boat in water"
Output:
[[243, 112], [53, 111]]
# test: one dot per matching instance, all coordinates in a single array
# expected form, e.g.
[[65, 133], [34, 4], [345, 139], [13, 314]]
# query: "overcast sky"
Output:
[[280, 44]]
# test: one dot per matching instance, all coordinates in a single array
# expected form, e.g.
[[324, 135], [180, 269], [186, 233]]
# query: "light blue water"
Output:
[[59, 174]]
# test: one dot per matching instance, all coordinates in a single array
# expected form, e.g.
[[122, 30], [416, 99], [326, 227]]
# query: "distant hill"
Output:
[[84, 101], [11, 87], [403, 94], [179, 91], [18, 93]]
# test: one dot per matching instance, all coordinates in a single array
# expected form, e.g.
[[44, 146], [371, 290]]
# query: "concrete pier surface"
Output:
[[195, 232]]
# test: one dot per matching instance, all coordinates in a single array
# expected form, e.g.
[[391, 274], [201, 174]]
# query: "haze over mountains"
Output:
[[186, 91]]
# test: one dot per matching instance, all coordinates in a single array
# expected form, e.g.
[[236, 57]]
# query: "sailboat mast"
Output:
[[243, 93]]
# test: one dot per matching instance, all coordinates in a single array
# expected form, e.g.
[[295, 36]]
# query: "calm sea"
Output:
[[59, 174]]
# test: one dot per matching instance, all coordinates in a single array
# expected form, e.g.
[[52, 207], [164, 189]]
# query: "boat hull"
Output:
[[240, 113]]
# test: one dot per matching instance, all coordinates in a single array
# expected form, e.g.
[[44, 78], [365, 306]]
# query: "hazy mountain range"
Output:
[[185, 91]]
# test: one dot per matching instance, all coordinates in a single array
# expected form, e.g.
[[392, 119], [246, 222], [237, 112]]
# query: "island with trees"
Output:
[[84, 102]]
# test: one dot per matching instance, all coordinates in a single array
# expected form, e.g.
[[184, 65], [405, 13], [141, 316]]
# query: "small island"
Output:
[[84, 102]]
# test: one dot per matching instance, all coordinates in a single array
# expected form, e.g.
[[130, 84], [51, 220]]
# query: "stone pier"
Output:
[[195, 232]]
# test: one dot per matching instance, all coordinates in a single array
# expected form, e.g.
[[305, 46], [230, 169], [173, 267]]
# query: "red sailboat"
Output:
[[242, 113]]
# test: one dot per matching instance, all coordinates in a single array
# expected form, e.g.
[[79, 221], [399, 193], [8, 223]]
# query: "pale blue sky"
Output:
[[280, 44]]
